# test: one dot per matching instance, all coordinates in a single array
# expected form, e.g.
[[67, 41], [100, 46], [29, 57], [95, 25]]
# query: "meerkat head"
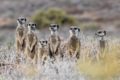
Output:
[[42, 43], [74, 31], [54, 28], [21, 21], [101, 33], [31, 26]]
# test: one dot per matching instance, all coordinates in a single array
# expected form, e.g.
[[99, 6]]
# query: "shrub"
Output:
[[53, 15]]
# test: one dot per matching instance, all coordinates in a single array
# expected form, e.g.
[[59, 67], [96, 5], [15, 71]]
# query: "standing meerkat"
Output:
[[42, 51], [73, 44], [20, 36], [102, 41], [54, 41], [31, 42]]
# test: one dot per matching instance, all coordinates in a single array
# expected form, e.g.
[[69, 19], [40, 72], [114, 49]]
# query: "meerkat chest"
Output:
[[30, 38], [73, 42], [20, 32], [42, 51], [54, 39]]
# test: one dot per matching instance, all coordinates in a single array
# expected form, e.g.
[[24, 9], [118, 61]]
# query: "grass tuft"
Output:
[[108, 65]]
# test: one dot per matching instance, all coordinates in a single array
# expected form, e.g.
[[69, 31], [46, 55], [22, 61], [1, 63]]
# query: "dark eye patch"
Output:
[[100, 32], [45, 42], [33, 24], [22, 19], [75, 28], [54, 25], [25, 19]]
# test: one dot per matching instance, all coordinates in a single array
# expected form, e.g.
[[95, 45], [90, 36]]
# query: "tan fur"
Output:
[[42, 54], [31, 46], [73, 47], [20, 42], [54, 45], [102, 44], [20, 39]]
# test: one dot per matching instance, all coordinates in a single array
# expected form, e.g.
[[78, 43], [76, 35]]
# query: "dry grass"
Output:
[[89, 68], [106, 68]]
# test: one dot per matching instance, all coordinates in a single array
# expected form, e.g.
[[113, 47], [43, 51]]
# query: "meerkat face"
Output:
[[74, 31], [21, 20], [54, 27], [101, 33], [43, 43], [32, 26]]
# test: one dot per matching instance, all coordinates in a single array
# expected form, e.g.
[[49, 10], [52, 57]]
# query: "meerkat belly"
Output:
[[20, 33], [54, 43], [73, 44], [31, 39], [41, 52]]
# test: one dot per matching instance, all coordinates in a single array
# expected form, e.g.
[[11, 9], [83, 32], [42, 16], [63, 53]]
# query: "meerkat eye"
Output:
[[99, 32], [46, 42], [25, 19], [22, 19], [54, 26], [75, 28], [35, 25]]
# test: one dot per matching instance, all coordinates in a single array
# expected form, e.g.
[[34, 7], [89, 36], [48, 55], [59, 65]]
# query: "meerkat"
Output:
[[102, 41], [31, 43], [54, 41], [73, 43], [42, 51], [20, 35]]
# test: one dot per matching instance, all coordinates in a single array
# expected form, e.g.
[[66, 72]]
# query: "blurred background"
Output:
[[89, 15]]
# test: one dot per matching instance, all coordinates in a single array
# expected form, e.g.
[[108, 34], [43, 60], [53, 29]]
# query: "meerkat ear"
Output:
[[40, 42], [46, 41], [25, 19], [79, 29], [104, 32], [18, 19], [99, 32], [35, 25], [57, 26]]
